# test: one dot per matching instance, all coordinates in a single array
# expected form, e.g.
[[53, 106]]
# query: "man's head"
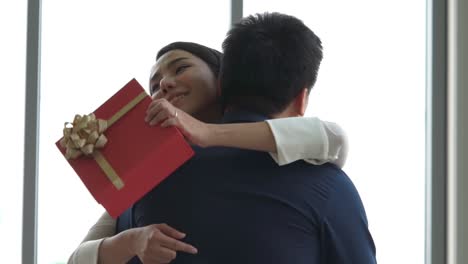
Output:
[[270, 60]]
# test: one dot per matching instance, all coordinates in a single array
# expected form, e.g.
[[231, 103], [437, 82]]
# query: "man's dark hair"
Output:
[[268, 59]]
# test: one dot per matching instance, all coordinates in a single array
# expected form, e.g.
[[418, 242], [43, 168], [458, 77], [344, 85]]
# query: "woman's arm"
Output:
[[88, 250], [156, 243], [287, 139]]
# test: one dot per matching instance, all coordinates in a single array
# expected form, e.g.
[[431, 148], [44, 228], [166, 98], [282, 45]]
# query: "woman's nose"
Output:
[[166, 84]]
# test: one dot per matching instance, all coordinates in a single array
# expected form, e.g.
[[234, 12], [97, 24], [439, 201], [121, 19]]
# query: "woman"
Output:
[[172, 86], [184, 81]]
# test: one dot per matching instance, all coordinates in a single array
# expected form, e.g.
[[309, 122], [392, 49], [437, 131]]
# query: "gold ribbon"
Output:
[[85, 135]]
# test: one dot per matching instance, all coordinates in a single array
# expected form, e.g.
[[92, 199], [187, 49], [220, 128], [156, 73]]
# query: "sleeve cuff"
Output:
[[299, 138], [87, 253]]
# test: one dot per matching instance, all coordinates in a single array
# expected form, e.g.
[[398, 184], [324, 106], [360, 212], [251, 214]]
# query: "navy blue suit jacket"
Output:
[[239, 206]]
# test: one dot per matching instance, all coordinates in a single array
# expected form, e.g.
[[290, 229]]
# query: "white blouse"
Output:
[[307, 138]]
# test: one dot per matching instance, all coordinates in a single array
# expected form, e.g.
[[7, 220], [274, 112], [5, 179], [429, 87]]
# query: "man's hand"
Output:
[[160, 111], [159, 243]]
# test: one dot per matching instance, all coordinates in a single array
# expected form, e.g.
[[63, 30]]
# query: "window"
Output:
[[12, 65], [372, 83], [90, 49]]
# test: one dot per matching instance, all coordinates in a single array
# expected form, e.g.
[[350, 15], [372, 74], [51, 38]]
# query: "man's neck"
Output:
[[211, 114], [290, 111], [240, 115], [286, 113]]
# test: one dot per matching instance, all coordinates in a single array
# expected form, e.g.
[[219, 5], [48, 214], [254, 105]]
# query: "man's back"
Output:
[[238, 206]]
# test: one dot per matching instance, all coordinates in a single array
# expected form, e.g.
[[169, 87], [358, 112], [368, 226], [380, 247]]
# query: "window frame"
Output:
[[436, 129]]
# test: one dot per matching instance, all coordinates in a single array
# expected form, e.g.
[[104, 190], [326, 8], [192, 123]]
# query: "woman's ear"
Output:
[[302, 101]]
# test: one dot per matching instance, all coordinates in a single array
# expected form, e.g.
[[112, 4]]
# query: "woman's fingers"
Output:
[[165, 255], [164, 113], [171, 121], [170, 231], [161, 243], [158, 111], [168, 237], [153, 109], [180, 121], [159, 117], [195, 131], [176, 245]]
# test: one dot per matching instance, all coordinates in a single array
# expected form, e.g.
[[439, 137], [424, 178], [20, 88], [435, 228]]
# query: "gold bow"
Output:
[[83, 136]]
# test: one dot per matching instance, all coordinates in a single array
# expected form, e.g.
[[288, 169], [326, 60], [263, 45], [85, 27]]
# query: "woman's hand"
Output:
[[159, 243], [160, 111], [154, 244]]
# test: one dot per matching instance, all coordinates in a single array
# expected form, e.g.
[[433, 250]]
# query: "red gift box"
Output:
[[140, 155]]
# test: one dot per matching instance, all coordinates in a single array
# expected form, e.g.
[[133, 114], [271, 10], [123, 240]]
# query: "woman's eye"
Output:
[[181, 68]]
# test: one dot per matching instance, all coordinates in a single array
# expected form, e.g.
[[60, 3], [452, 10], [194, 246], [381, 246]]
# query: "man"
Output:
[[238, 206]]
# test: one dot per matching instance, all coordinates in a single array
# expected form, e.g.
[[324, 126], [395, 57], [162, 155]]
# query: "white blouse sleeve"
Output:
[[310, 139], [88, 251]]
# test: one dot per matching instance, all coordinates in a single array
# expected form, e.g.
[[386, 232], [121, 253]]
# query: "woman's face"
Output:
[[186, 81]]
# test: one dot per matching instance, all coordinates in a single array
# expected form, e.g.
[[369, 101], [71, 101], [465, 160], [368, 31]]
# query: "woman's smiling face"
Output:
[[184, 80]]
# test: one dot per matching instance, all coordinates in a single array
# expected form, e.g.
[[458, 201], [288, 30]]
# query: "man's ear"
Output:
[[301, 101]]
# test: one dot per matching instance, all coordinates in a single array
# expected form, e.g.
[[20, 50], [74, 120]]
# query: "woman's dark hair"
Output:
[[211, 56], [268, 59]]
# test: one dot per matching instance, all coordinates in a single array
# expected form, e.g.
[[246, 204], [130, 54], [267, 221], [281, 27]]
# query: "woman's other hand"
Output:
[[162, 112], [159, 243]]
